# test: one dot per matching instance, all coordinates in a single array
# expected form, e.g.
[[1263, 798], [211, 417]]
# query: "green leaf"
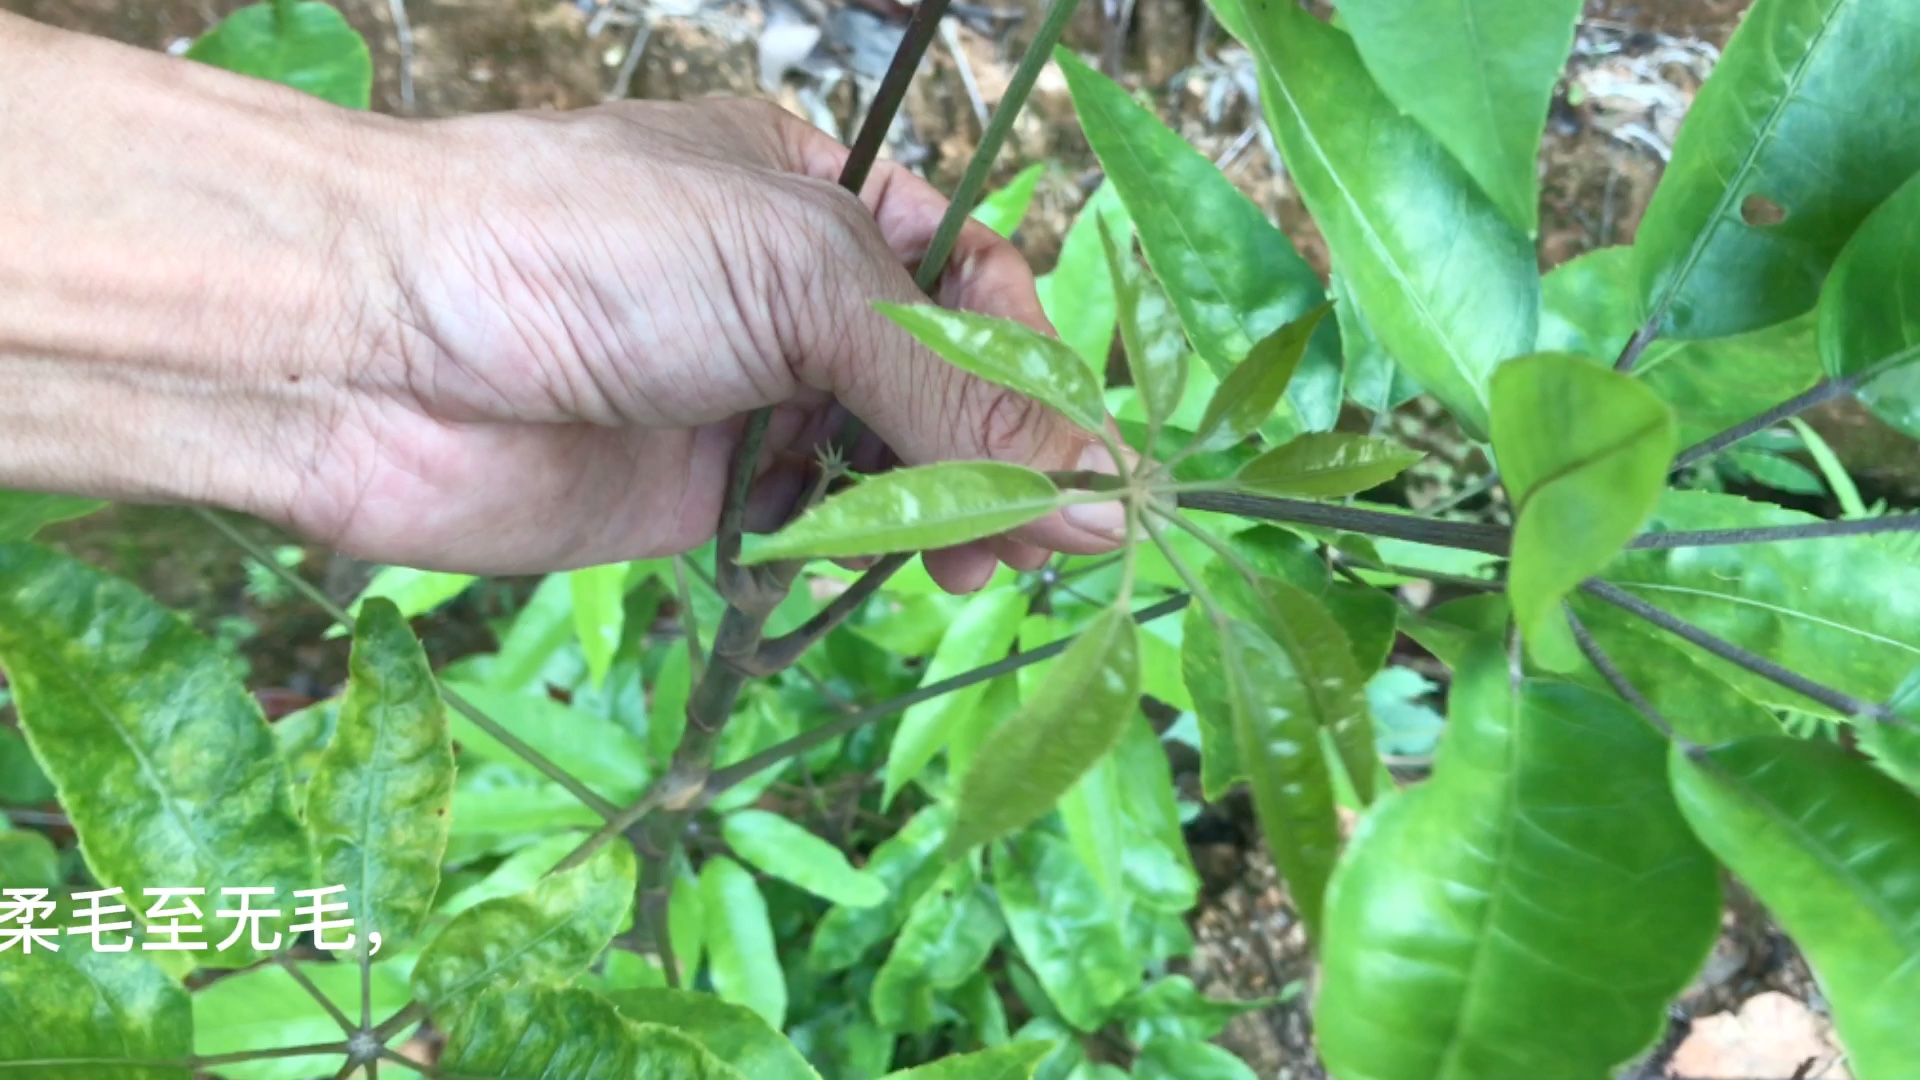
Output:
[[1155, 346], [22, 783], [1448, 285], [541, 629], [667, 706], [1245, 399], [1591, 305], [1155, 864], [1583, 451], [599, 614], [1232, 274], [1095, 826], [604, 755], [1075, 718], [526, 1032], [1004, 210], [741, 955], [1870, 311], [1173, 1008], [23, 513], [162, 761], [1478, 75], [980, 634], [905, 862], [1014, 1061], [1375, 381], [1078, 295], [1701, 706], [379, 800], [414, 592], [1459, 939], [28, 860], [733, 1033], [77, 1014], [264, 1009], [947, 937], [917, 509], [1188, 1059], [1325, 465], [1764, 139], [1832, 847], [1844, 612], [1064, 927], [773, 845], [550, 932], [1279, 747], [306, 45], [687, 920], [1009, 354], [1896, 746]]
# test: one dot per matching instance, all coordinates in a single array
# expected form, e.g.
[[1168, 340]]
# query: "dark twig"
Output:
[[1773, 534], [1466, 536], [1824, 391], [922, 28], [778, 654], [722, 779], [1638, 343], [1616, 678], [326, 1003], [1839, 701]]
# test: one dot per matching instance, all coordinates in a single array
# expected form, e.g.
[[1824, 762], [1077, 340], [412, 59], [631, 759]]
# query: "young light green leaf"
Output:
[[1455, 947], [906, 863], [530, 1031], [1073, 720], [1189, 1059], [1231, 273], [979, 634], [1279, 747], [742, 957], [379, 798], [307, 45], [1246, 398], [947, 937], [918, 509], [1844, 612], [162, 759], [605, 756], [1767, 181], [1447, 283], [1832, 847], [1009, 354], [733, 1033], [1870, 311], [414, 592], [599, 614], [1156, 349], [1478, 75], [776, 846], [1591, 305], [1583, 451], [1004, 210], [23, 513], [1065, 929], [102, 1016], [550, 932], [265, 1009], [1014, 1061], [1324, 465], [1078, 295], [687, 920]]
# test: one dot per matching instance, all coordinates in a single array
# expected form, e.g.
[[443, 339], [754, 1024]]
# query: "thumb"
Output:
[[924, 408]]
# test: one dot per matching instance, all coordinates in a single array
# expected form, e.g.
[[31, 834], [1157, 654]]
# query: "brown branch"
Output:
[[1616, 678], [1773, 534], [778, 654], [1465, 536], [1823, 391]]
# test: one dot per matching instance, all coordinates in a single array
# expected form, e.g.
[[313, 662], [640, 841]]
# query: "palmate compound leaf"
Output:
[[162, 759], [549, 933], [1460, 941], [1075, 718], [1325, 465], [1832, 847], [529, 1032], [78, 1014], [1583, 451], [379, 799], [1870, 311], [1447, 284], [733, 1033], [917, 509], [1009, 354], [1809, 122], [782, 849], [304, 44]]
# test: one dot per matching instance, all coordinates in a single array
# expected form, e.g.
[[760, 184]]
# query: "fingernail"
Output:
[[1104, 519]]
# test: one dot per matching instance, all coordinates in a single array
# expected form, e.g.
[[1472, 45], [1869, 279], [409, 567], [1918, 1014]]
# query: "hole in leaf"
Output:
[[1760, 211]]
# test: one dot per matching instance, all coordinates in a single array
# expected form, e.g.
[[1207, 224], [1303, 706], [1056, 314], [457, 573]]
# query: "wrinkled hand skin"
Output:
[[510, 343]]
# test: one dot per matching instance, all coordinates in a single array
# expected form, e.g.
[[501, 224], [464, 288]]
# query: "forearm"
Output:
[[185, 269]]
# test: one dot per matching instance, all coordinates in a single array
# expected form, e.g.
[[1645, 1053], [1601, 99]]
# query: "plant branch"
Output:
[[981, 164], [1842, 703], [1824, 391], [1637, 344], [778, 654], [1616, 678], [723, 779], [481, 720], [1773, 534], [300, 978], [398, 1022], [1465, 536]]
